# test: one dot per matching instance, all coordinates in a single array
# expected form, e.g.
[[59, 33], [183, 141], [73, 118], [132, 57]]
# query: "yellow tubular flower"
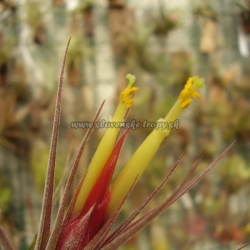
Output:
[[105, 147], [144, 154]]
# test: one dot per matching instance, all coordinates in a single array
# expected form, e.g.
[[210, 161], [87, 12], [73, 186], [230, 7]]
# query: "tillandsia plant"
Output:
[[85, 223]]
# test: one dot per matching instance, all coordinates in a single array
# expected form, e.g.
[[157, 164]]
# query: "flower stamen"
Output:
[[189, 91]]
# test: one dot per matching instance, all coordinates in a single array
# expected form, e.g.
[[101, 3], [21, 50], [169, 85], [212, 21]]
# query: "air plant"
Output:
[[86, 222]]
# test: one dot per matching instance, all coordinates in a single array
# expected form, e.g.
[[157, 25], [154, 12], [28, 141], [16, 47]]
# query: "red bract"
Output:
[[96, 202], [101, 186]]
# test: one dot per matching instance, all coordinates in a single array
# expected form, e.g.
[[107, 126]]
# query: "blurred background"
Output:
[[163, 43]]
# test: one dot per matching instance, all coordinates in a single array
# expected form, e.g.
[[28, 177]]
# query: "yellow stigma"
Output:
[[189, 91]]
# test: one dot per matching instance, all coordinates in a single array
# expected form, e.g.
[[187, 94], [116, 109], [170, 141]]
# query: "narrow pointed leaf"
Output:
[[67, 218], [248, 244], [186, 188], [142, 222], [45, 220], [5, 243], [125, 224], [59, 219], [186, 179]]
